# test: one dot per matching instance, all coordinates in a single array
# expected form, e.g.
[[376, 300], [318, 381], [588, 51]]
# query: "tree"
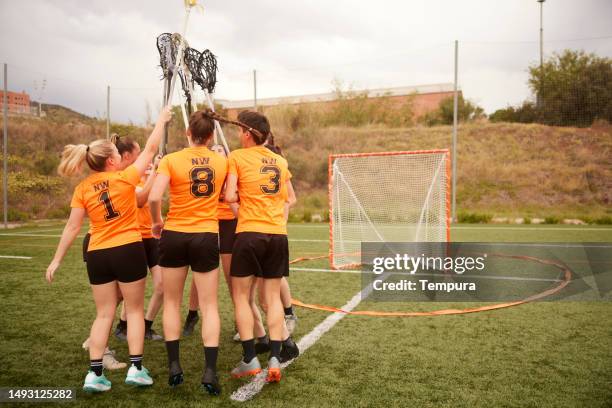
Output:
[[526, 113], [466, 111], [573, 89]]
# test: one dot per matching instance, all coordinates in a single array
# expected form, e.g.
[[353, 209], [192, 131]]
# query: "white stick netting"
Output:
[[395, 197]]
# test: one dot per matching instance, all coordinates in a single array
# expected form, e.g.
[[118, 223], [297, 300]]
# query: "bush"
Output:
[[466, 111], [526, 113], [61, 212], [307, 216], [17, 215], [605, 220], [552, 220], [474, 218]]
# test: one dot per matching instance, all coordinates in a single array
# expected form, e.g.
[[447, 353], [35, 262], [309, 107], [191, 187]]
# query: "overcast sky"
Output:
[[297, 47]]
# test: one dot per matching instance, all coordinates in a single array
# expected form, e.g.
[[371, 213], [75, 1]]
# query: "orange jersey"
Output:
[[143, 216], [197, 175], [110, 201], [262, 187]]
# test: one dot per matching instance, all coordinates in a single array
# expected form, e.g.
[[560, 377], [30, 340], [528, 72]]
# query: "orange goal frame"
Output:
[[330, 161]]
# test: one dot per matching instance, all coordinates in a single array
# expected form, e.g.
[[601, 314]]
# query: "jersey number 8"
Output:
[[202, 181]]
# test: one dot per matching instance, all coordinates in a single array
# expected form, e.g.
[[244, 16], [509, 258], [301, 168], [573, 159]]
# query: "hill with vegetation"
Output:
[[504, 169]]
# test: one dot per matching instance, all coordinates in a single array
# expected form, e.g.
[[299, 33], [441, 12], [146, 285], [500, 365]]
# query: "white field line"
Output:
[[512, 278], [251, 389], [15, 257], [35, 235]]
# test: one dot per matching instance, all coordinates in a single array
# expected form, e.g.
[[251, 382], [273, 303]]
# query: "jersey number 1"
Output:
[[105, 199]]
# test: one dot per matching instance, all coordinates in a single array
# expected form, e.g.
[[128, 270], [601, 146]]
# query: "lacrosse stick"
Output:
[[203, 68], [171, 61]]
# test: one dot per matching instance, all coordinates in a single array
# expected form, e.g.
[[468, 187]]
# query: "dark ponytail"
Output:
[[201, 127], [253, 122], [123, 144]]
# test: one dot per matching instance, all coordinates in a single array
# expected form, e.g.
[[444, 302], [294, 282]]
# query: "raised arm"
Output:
[[153, 141], [71, 230], [142, 194], [155, 198]]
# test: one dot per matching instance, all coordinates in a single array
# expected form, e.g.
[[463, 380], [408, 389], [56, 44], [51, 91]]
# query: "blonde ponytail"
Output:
[[95, 154], [73, 157]]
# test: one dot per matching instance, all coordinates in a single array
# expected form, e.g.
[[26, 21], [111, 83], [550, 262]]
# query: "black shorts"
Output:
[[85, 246], [125, 263], [259, 254], [199, 250], [152, 250], [227, 235]]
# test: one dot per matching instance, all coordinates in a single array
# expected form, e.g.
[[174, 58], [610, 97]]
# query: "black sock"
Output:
[[136, 360], [148, 324], [248, 349], [288, 341], [288, 310], [172, 347], [275, 347], [192, 314], [263, 339], [210, 357], [96, 366], [122, 324]]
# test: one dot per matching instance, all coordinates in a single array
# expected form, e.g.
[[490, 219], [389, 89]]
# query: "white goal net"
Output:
[[387, 197]]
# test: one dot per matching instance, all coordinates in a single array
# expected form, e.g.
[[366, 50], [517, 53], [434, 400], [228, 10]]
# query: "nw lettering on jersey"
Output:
[[268, 160], [199, 161], [103, 185]]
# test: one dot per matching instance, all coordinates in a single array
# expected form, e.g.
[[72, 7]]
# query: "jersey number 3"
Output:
[[274, 185], [105, 199], [202, 179]]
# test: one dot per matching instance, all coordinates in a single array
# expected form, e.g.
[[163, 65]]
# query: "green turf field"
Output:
[[552, 354]]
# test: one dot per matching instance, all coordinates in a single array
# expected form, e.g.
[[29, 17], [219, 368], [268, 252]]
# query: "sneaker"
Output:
[[138, 377], [262, 346], [274, 371], [210, 382], [121, 333], [175, 375], [151, 334], [291, 322], [94, 383], [289, 350], [85, 344], [190, 325], [109, 362], [245, 369], [236, 337]]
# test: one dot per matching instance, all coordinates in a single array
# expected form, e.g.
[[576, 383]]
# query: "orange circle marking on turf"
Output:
[[567, 276]]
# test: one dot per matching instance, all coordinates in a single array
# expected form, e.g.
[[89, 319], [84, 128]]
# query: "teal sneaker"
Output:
[[138, 377], [93, 383]]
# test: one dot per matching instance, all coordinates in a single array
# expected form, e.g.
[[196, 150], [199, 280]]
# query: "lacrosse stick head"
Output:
[[168, 46], [203, 68]]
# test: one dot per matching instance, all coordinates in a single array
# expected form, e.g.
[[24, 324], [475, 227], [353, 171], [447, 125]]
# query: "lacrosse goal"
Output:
[[387, 197]]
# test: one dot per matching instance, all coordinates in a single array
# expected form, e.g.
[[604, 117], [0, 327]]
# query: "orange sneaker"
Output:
[[245, 369], [274, 371]]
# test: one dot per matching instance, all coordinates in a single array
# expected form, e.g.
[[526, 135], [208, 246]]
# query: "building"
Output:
[[424, 99], [18, 103]]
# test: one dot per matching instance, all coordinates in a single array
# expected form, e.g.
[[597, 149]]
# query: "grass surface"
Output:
[[543, 354]]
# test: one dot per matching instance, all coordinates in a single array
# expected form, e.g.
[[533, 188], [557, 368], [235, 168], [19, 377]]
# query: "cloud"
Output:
[[297, 47]]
